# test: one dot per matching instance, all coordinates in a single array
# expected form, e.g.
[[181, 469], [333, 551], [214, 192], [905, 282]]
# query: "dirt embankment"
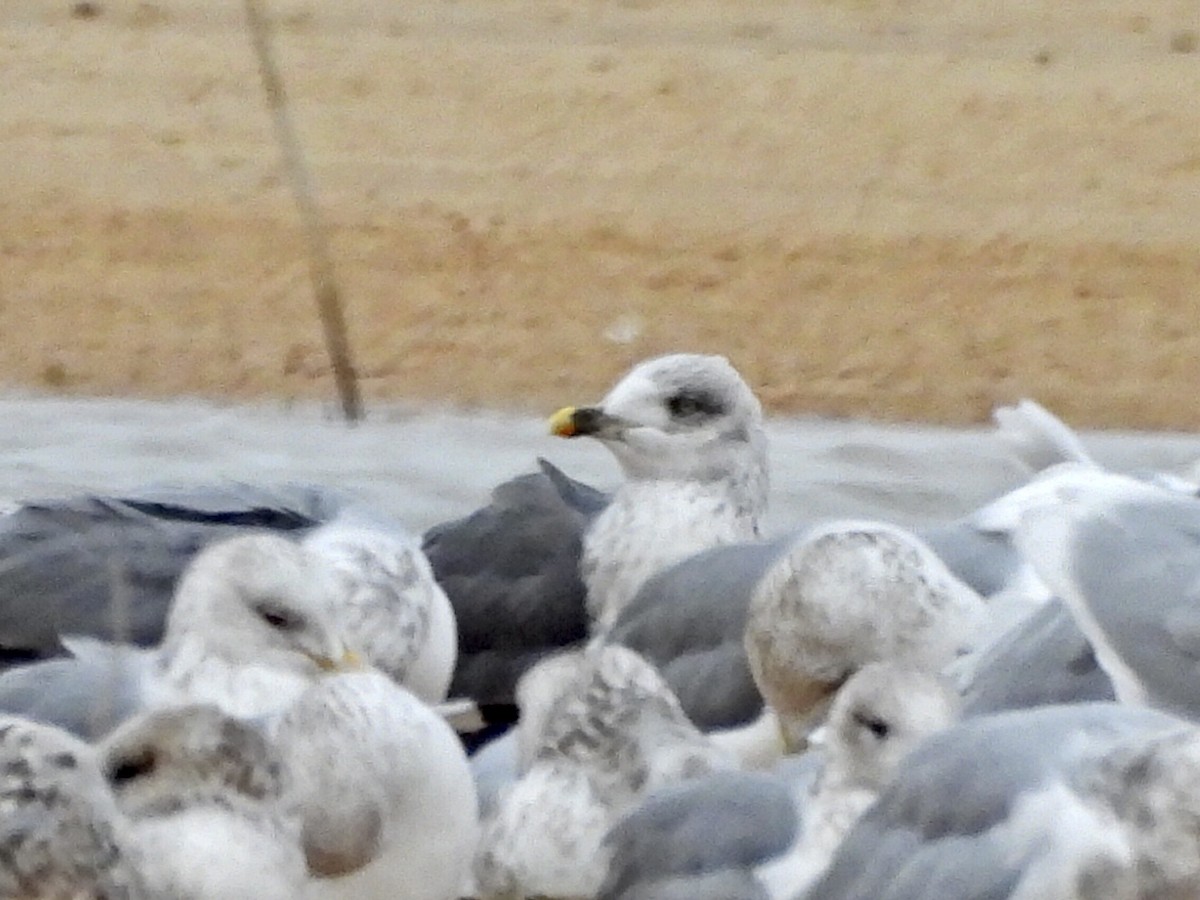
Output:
[[907, 209]]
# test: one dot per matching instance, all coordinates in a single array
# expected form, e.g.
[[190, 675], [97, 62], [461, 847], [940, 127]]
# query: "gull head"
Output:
[[880, 714], [260, 600], [167, 759], [678, 417]]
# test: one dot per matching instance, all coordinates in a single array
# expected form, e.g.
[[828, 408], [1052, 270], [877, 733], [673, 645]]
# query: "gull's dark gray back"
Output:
[[706, 832], [511, 571], [1042, 660]]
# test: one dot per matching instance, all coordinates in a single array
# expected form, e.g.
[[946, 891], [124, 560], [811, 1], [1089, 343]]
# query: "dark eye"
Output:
[[123, 771], [279, 618], [873, 724], [690, 404]]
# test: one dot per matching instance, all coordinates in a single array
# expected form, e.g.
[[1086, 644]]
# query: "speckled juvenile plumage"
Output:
[[388, 606], [848, 594], [600, 728], [207, 800], [688, 434], [61, 835]]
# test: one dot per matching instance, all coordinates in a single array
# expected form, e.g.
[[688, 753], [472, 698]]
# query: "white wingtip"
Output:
[[1036, 437]]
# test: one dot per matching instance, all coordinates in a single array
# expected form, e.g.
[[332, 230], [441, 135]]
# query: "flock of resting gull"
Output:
[[234, 691]]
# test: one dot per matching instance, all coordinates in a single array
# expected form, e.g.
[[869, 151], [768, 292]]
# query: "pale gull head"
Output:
[[389, 606], [387, 801], [61, 834], [206, 798], [684, 417], [881, 714], [849, 594], [257, 600]]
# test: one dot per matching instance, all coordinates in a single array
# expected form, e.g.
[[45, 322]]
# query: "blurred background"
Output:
[[903, 210]]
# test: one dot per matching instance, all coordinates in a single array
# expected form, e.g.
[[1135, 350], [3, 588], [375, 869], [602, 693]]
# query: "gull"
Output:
[[107, 566], [766, 834], [387, 805], [599, 728], [248, 631], [687, 432], [847, 594], [61, 834], [206, 798], [1059, 802]]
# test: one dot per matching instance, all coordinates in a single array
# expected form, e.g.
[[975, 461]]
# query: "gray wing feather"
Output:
[[511, 571], [689, 619], [87, 693], [1043, 660], [1137, 568], [726, 821]]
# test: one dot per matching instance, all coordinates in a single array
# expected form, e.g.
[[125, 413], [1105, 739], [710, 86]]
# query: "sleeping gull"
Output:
[[599, 728], [388, 606], [107, 566], [1125, 558], [766, 834], [688, 434], [206, 799], [248, 631], [61, 835], [385, 793], [1059, 802], [844, 595]]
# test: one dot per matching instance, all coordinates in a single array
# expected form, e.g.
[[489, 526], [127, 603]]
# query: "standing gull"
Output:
[[248, 631], [206, 800], [61, 835], [688, 434]]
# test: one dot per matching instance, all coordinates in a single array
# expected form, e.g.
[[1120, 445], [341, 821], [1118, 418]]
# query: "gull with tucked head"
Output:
[[207, 802], [599, 729], [688, 434], [387, 805], [389, 604], [248, 631]]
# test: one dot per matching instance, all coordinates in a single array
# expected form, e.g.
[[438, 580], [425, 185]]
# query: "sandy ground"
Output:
[[903, 209]]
